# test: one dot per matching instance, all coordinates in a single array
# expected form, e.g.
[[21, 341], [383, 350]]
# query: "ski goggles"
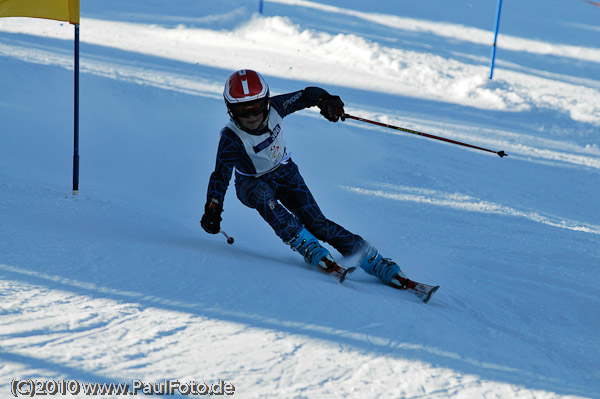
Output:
[[254, 108]]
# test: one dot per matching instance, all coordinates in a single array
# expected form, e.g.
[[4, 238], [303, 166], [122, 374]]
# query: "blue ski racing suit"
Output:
[[268, 180]]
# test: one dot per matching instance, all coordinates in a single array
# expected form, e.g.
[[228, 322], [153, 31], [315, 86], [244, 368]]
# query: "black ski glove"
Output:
[[211, 220], [331, 107]]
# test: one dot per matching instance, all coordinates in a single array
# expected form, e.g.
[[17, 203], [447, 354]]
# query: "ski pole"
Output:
[[229, 239], [431, 136]]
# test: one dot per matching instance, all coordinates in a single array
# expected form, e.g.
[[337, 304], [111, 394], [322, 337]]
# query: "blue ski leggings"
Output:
[[284, 201]]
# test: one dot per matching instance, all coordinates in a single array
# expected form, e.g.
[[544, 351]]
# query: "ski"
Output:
[[342, 272], [338, 271], [422, 291]]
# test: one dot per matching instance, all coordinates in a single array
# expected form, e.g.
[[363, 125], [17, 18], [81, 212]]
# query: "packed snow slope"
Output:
[[120, 283]]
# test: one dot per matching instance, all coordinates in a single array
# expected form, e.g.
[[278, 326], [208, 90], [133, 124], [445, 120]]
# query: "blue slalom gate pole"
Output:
[[260, 6], [76, 116], [495, 38]]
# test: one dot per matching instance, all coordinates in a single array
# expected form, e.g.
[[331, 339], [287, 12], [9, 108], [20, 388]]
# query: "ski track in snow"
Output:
[[469, 204]]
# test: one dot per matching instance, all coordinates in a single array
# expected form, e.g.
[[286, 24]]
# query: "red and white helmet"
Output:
[[245, 85], [246, 94]]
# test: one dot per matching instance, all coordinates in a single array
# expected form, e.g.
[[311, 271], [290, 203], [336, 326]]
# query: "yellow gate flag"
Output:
[[61, 10]]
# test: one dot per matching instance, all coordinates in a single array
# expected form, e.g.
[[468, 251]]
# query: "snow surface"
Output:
[[120, 283]]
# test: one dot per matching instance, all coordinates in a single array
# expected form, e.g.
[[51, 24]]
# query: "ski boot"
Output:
[[386, 269], [313, 252], [389, 272]]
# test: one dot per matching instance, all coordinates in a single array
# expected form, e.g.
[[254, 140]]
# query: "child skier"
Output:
[[266, 178]]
